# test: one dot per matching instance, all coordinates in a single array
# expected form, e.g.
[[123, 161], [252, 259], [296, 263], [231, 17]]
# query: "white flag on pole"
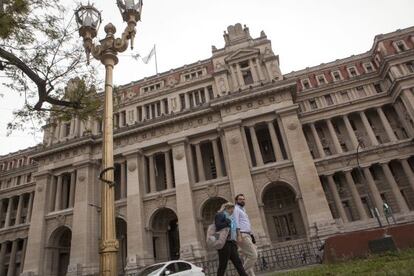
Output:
[[147, 58]]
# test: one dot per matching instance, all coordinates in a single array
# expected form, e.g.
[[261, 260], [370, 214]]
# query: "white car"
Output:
[[178, 268]]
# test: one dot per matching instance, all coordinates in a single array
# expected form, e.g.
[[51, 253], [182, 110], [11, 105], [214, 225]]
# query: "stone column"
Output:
[[72, 189], [275, 141], [387, 126], [19, 210], [259, 69], [253, 71], [373, 189], [2, 255], [368, 128], [23, 254], [30, 207], [256, 147], [217, 159], [239, 75], [402, 205], [52, 194], [246, 146], [337, 198], [162, 105], [407, 97], [85, 225], [35, 253], [137, 247], [408, 172], [334, 136], [123, 183], [1, 210], [190, 245], [317, 140], [240, 178], [355, 196], [187, 100], [143, 113], [318, 215], [12, 260], [207, 95], [234, 76], [58, 196], [351, 133], [9, 211], [77, 127], [200, 165], [168, 170], [153, 184]]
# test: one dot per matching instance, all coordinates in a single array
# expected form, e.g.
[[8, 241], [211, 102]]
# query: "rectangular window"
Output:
[[313, 104], [321, 79], [400, 46], [182, 101], [368, 67], [328, 99], [306, 84], [100, 126], [67, 129], [410, 66], [352, 71], [158, 104], [377, 87], [210, 92], [336, 75], [166, 106], [247, 77]]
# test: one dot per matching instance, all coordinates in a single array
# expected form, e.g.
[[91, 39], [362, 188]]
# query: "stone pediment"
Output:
[[243, 53]]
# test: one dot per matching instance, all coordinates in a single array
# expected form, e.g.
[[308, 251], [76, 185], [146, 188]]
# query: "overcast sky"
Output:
[[303, 33]]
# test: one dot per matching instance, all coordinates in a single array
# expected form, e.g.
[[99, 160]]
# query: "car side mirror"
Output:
[[167, 272]]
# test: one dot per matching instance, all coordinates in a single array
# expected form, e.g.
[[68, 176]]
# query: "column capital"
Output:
[[365, 166], [348, 170], [84, 163], [132, 153], [288, 110], [231, 125], [178, 141], [42, 173], [384, 162]]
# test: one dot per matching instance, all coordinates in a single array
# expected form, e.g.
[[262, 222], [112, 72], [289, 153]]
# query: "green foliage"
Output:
[[11, 17], [40, 51], [392, 263]]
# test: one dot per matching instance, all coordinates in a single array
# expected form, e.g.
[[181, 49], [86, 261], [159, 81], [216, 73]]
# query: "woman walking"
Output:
[[222, 220]]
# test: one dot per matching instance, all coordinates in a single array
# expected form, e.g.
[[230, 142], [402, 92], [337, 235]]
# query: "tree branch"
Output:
[[41, 84]]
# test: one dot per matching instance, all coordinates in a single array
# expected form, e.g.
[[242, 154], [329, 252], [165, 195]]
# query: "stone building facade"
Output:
[[313, 151]]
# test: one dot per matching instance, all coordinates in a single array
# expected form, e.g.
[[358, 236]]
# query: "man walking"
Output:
[[245, 238]]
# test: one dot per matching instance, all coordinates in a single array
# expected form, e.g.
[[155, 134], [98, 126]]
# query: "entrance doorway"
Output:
[[165, 235]]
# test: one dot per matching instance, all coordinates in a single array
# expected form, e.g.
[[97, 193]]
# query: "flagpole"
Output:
[[156, 63]]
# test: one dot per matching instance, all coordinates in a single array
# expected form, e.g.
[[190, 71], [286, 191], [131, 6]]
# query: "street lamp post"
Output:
[[89, 19]]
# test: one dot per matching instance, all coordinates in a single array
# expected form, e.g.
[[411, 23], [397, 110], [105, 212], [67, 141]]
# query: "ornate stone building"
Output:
[[189, 139]]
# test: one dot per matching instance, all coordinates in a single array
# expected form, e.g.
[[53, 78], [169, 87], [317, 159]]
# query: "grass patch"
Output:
[[392, 263]]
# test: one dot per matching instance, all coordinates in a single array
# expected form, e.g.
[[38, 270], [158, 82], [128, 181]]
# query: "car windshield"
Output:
[[151, 270]]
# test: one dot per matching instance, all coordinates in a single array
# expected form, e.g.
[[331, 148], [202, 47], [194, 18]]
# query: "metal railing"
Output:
[[285, 257]]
